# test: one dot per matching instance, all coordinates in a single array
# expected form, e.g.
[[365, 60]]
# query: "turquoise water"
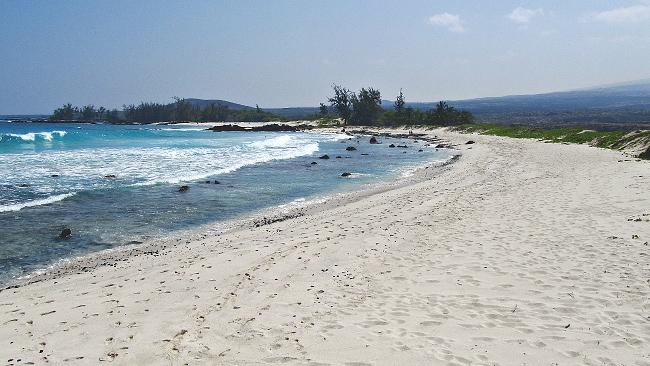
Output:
[[116, 185]]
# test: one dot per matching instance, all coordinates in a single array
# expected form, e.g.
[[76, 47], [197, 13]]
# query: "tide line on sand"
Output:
[[521, 252]]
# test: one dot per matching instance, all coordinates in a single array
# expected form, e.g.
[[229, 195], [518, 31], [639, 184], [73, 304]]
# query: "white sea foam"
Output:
[[39, 202], [33, 136], [283, 141]]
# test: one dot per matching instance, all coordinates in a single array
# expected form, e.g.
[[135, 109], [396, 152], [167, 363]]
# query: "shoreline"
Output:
[[519, 252], [261, 217]]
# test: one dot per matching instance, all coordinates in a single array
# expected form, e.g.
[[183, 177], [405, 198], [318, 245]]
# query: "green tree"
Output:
[[112, 116], [65, 113], [323, 109], [215, 113], [183, 110], [400, 107], [400, 103], [342, 102], [409, 115], [464, 117], [101, 112], [88, 113], [443, 114], [366, 107]]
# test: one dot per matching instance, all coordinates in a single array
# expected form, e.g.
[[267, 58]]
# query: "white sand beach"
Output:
[[520, 253]]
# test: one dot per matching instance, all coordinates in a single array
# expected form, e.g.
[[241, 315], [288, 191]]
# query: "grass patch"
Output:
[[617, 140]]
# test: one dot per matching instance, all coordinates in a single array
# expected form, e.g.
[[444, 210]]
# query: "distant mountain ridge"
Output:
[[633, 95], [202, 103]]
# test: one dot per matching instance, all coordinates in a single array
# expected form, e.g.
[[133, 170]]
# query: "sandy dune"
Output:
[[521, 253]]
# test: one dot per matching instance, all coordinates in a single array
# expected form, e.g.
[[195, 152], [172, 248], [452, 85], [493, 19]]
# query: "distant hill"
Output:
[[633, 95], [289, 112], [202, 103], [625, 105]]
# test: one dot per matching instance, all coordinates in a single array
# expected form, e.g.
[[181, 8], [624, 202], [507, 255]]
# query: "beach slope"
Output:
[[521, 252]]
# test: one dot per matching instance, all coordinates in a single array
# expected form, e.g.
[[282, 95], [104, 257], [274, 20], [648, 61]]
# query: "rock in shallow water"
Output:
[[65, 233]]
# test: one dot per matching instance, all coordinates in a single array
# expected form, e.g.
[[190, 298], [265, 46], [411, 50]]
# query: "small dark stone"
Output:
[[391, 145], [324, 157], [346, 174], [365, 154], [217, 182], [55, 175], [111, 176], [351, 148], [373, 140], [470, 142], [65, 233], [207, 182], [313, 163], [184, 188]]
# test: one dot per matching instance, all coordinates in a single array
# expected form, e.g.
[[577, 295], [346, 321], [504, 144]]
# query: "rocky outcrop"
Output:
[[264, 128]]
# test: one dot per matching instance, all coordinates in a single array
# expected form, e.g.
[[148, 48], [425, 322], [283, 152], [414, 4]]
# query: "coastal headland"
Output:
[[521, 252]]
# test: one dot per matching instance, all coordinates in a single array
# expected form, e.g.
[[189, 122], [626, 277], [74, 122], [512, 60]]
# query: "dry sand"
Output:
[[521, 253]]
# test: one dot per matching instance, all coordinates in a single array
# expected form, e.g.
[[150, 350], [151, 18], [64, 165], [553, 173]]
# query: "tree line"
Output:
[[362, 108], [365, 109], [178, 111], [88, 114]]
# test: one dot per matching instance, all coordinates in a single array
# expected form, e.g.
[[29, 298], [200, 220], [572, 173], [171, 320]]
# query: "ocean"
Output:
[[119, 185]]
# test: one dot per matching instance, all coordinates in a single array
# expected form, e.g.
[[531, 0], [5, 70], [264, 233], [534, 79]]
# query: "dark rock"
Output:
[[110, 176], [391, 145], [324, 157], [184, 188], [338, 156], [351, 148], [403, 146], [207, 182], [365, 154], [274, 127], [217, 182], [23, 185], [470, 142], [373, 140], [346, 174], [55, 175], [313, 163], [65, 233]]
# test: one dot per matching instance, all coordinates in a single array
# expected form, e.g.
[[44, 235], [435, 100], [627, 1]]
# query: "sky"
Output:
[[289, 53]]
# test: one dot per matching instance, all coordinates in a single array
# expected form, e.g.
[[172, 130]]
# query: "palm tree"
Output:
[[443, 114]]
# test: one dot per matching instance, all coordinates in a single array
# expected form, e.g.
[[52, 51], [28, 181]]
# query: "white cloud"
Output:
[[450, 21], [523, 15], [637, 13]]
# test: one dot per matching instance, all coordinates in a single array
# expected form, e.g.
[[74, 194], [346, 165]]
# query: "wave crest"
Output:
[[39, 202]]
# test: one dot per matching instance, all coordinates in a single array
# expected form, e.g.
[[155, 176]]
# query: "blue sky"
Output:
[[289, 53]]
